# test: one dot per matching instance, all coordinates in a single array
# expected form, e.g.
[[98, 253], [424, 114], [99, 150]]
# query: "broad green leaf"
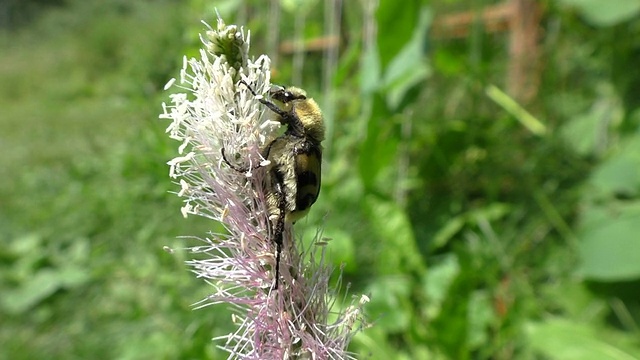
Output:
[[605, 13], [581, 132], [620, 174], [410, 66], [585, 131], [609, 229], [565, 340], [610, 242], [378, 152], [370, 71], [396, 22]]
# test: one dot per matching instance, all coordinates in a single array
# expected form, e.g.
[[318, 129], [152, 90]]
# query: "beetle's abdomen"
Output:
[[308, 167]]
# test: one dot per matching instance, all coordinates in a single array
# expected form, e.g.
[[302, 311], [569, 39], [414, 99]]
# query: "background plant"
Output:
[[474, 237]]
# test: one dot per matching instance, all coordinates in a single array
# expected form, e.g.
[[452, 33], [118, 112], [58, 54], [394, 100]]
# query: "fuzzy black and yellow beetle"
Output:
[[295, 157]]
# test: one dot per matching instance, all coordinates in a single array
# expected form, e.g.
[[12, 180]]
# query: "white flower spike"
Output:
[[212, 110]]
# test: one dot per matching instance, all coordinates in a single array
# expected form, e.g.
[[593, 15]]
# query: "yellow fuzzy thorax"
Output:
[[309, 113]]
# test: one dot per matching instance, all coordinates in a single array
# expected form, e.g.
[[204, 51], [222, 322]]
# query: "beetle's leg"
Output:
[[279, 225], [273, 107], [234, 167]]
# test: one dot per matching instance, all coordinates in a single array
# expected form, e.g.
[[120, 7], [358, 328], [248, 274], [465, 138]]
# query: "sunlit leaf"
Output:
[[610, 242], [605, 13], [566, 340], [582, 132], [396, 23], [370, 71], [379, 151], [620, 174], [587, 132], [410, 66]]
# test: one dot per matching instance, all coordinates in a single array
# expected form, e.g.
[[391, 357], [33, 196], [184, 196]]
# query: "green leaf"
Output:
[[581, 132], [378, 152], [620, 174], [448, 231], [566, 340], [376, 340], [396, 23], [481, 315], [370, 70], [491, 212], [609, 228], [438, 281], [296, 6], [399, 252], [341, 247], [390, 303], [410, 66], [40, 286], [610, 242], [605, 13], [586, 131]]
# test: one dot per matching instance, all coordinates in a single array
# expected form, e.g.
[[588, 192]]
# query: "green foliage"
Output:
[[480, 227], [600, 13], [85, 210], [609, 223], [562, 339]]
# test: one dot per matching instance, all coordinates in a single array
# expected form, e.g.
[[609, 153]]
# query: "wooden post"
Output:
[[521, 18]]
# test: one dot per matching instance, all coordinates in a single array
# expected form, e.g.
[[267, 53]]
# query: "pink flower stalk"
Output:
[[215, 111]]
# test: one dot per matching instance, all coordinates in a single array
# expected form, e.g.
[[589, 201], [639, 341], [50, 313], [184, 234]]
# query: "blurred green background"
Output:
[[482, 187]]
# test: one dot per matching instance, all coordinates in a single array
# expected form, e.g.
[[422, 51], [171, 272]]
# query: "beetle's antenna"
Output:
[[249, 87]]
